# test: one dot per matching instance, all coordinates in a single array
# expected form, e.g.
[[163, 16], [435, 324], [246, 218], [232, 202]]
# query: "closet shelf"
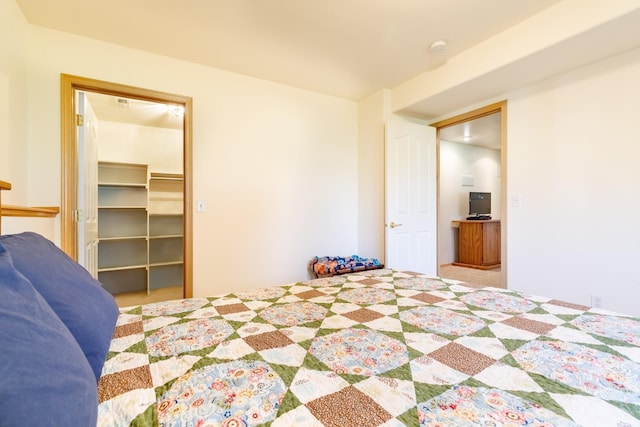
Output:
[[124, 267], [166, 236], [105, 239], [123, 207], [166, 176], [160, 264], [122, 184]]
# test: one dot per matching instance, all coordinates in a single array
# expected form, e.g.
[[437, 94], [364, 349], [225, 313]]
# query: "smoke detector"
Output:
[[438, 46]]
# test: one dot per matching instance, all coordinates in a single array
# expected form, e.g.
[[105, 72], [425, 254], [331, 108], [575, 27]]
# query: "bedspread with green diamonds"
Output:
[[381, 347]]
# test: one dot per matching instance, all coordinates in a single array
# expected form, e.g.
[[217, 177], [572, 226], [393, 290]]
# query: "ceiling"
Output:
[[347, 49], [134, 111], [482, 132]]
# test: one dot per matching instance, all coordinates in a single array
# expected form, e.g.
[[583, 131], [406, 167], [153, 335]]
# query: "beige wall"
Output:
[[13, 102], [14, 150], [283, 175], [160, 148], [276, 165], [573, 157], [372, 115]]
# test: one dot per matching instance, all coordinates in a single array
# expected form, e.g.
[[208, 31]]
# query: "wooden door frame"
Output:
[[498, 107], [68, 85]]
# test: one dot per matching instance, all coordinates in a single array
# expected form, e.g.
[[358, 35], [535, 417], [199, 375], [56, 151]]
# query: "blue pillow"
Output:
[[78, 299], [44, 377]]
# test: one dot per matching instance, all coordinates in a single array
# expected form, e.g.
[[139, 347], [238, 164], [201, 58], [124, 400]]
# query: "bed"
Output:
[[380, 347]]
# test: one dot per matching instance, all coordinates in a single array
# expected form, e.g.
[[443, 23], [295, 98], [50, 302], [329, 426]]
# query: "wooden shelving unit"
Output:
[[122, 226], [140, 228], [166, 230]]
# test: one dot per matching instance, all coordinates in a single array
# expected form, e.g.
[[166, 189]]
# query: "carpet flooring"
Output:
[[472, 277], [137, 298]]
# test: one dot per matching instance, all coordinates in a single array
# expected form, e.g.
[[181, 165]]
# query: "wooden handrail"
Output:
[[36, 211]]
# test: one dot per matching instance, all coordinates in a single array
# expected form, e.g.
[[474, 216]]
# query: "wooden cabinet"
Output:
[[479, 244]]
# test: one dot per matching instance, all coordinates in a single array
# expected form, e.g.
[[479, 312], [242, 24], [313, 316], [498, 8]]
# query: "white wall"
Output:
[[14, 151], [574, 157], [276, 165], [160, 148], [372, 114], [13, 102], [457, 160]]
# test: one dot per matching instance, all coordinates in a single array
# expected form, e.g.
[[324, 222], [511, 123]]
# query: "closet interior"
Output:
[[140, 199]]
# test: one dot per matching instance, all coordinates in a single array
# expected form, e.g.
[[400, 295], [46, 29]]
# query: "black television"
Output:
[[479, 205]]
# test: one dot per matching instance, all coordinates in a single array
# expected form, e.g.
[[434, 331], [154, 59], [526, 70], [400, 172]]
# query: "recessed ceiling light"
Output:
[[175, 110]]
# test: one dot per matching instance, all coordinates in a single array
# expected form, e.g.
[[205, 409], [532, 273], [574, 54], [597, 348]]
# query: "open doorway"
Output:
[[472, 161], [164, 183]]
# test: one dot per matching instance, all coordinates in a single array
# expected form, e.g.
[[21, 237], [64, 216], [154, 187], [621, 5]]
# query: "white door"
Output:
[[87, 217], [410, 232]]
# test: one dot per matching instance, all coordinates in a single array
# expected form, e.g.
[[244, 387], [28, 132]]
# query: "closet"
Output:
[[140, 196], [122, 226], [140, 228]]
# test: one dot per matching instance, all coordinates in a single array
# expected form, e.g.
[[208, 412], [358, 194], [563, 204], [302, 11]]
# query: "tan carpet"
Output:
[[472, 276], [129, 299]]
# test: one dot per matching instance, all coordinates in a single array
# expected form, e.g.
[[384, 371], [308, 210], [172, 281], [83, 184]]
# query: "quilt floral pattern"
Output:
[[478, 406], [359, 352], [231, 394], [376, 348]]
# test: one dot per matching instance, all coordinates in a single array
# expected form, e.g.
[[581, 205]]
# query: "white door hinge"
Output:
[[77, 214]]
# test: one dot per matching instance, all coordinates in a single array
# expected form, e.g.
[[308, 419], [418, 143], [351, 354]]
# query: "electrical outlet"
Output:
[[596, 301]]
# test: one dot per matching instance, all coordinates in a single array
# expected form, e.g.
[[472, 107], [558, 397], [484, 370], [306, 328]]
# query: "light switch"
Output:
[[516, 200], [200, 206]]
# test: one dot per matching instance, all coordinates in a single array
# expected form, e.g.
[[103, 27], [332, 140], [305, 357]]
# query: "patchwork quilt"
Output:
[[377, 348]]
